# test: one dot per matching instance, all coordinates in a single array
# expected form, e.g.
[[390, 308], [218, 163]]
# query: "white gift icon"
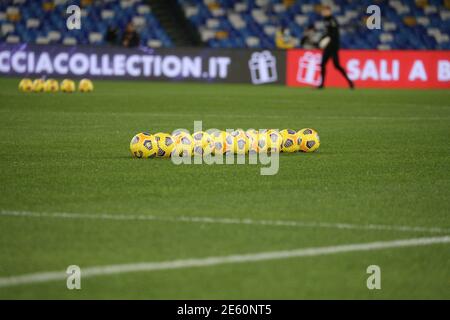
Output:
[[263, 67], [309, 68]]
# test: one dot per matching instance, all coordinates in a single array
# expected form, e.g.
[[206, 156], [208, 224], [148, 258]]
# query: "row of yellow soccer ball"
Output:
[[182, 143], [52, 85]]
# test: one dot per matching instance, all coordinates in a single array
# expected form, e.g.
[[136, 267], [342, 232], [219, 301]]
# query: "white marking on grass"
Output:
[[247, 116], [214, 220], [214, 261]]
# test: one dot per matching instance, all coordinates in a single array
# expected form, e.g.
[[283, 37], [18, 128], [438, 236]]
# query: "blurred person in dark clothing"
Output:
[[130, 38], [330, 46], [307, 41], [112, 36]]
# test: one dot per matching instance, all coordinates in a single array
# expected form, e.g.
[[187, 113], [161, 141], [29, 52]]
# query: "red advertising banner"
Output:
[[372, 69]]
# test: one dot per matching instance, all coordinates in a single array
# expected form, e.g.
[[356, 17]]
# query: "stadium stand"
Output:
[[39, 21], [420, 24]]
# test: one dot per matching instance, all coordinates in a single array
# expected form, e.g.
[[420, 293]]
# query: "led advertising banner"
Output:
[[372, 69], [209, 65], [367, 68]]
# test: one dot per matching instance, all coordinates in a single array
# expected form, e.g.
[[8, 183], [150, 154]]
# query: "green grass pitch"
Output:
[[383, 160]]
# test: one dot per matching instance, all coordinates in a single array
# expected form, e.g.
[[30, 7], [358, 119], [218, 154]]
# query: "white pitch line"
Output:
[[249, 116], [214, 220], [214, 261]]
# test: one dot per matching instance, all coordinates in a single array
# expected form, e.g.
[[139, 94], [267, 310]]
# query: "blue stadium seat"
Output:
[[53, 19], [353, 12], [412, 25]]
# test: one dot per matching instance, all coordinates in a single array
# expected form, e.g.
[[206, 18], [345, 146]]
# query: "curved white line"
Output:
[[213, 261]]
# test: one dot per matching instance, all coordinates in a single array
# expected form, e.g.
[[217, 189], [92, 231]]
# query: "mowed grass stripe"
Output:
[[383, 161], [232, 116], [222, 220], [213, 261]]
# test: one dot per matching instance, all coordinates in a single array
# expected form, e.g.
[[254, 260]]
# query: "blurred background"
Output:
[[407, 24]]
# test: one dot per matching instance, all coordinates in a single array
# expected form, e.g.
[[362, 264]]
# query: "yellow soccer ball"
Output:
[[290, 140], [51, 85], [67, 86], [263, 141], [143, 145], [184, 143], [166, 144], [252, 136], [85, 85], [223, 142], [38, 85], [309, 140], [274, 141], [203, 143], [26, 85], [241, 143]]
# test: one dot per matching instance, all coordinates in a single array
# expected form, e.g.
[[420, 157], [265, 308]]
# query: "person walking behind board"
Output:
[[330, 46], [307, 41], [130, 38]]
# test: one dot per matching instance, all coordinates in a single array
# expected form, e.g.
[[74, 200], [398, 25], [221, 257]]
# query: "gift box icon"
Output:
[[309, 68], [263, 67]]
